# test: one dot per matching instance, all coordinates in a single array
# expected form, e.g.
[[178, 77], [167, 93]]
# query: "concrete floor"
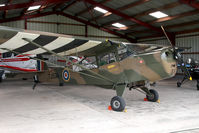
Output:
[[54, 109]]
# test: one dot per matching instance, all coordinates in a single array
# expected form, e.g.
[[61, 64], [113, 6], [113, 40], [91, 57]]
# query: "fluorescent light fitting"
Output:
[[2, 5], [34, 7], [158, 14], [100, 10], [118, 25]]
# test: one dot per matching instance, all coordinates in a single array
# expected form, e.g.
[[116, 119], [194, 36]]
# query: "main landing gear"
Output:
[[197, 85], [118, 103], [151, 94], [180, 83], [1, 75]]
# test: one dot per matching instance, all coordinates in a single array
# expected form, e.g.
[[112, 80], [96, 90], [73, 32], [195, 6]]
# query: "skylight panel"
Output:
[[119, 25], [158, 14], [34, 7], [2, 5], [100, 10]]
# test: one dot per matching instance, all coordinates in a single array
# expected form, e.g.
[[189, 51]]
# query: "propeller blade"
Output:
[[167, 36], [178, 56]]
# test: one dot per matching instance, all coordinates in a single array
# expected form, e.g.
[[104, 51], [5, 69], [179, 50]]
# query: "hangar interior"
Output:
[[117, 20]]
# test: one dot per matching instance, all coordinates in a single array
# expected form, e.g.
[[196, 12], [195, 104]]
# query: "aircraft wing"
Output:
[[13, 39]]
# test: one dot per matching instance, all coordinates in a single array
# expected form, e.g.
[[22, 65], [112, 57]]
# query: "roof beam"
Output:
[[6, 11], [172, 17], [175, 16], [168, 27], [133, 4], [182, 24], [90, 8], [28, 4], [151, 36], [188, 31], [69, 5], [124, 16], [23, 12], [171, 36], [42, 7], [26, 17], [161, 8], [98, 27], [192, 3], [177, 33], [139, 32]]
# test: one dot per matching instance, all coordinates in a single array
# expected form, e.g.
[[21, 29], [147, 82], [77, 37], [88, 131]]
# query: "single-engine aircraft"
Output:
[[22, 65], [118, 65]]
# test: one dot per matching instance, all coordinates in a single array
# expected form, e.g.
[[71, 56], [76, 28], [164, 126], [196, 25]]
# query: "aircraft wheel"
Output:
[[24, 79], [178, 84], [118, 103], [0, 79], [154, 96], [61, 84]]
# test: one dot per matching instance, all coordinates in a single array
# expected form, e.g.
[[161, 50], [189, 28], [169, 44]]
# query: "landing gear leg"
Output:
[[180, 83], [197, 85], [58, 71], [36, 81], [152, 95], [117, 102], [1, 75]]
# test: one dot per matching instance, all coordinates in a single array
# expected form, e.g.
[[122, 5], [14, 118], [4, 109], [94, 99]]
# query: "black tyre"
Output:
[[61, 84], [0, 79], [197, 86], [154, 96], [24, 79], [178, 84], [118, 103]]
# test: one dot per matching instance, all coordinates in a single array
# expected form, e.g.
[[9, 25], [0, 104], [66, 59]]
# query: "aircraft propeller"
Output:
[[178, 57]]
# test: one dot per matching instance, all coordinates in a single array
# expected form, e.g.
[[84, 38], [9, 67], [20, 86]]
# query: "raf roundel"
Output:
[[66, 75]]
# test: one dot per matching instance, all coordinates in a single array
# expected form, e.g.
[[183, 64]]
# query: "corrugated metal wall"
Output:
[[161, 41], [71, 27], [16, 24], [189, 40]]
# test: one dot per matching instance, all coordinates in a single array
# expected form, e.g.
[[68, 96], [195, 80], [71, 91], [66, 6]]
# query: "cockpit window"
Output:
[[107, 59], [124, 51]]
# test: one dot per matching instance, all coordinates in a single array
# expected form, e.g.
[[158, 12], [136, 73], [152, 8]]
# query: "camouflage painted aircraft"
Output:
[[118, 65]]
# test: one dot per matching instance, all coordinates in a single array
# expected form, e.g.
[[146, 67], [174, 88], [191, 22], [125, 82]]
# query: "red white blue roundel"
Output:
[[66, 75]]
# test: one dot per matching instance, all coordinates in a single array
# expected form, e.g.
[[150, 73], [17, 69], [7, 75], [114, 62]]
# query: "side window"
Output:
[[107, 59], [87, 63]]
